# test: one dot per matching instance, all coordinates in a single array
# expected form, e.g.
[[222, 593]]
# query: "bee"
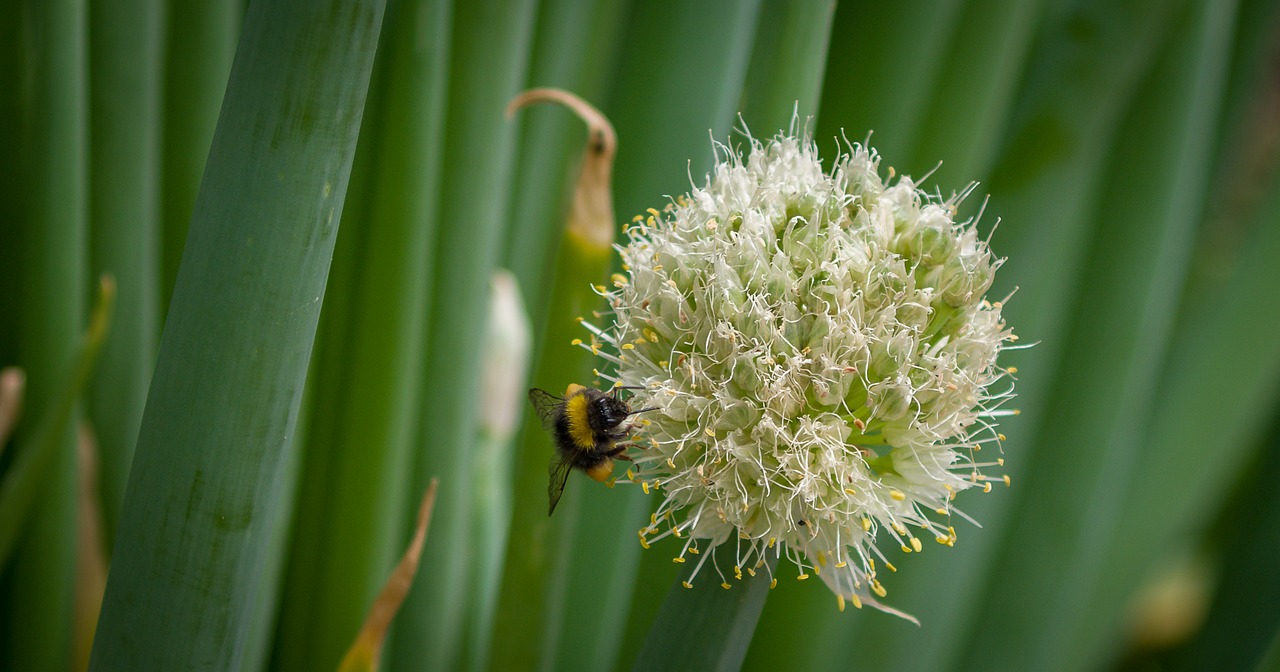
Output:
[[587, 427]]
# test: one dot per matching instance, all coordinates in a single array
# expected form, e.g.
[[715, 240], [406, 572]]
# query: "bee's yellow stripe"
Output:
[[575, 409]]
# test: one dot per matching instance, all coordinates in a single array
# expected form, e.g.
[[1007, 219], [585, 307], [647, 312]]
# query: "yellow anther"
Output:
[[817, 571], [840, 602], [1000, 461], [638, 218], [889, 566], [726, 585], [653, 211], [866, 524], [686, 584], [1002, 437], [916, 545], [610, 483], [663, 364], [850, 491], [751, 571], [772, 541], [878, 589], [619, 280], [644, 485], [906, 549], [1013, 369], [677, 560], [897, 494], [670, 464], [694, 551], [986, 487], [773, 584], [651, 335], [842, 564], [737, 572], [857, 602], [1006, 478], [628, 346], [940, 511], [576, 341], [599, 288], [631, 476], [709, 431]]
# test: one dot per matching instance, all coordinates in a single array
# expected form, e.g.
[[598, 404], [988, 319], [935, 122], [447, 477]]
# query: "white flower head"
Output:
[[821, 361]]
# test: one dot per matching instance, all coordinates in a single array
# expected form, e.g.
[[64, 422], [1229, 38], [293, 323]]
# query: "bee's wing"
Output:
[[547, 406], [559, 473]]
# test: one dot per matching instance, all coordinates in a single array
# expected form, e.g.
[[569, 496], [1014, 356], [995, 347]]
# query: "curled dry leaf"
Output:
[[367, 648], [592, 214]]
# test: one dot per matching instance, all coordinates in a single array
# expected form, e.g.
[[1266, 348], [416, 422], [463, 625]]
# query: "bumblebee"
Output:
[[587, 427]]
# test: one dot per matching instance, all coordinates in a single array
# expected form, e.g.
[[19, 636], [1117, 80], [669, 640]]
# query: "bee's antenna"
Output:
[[643, 410]]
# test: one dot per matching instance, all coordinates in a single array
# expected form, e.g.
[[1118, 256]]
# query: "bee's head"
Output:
[[612, 410]]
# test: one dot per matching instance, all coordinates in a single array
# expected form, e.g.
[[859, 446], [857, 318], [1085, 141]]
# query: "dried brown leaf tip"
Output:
[[366, 651], [591, 217]]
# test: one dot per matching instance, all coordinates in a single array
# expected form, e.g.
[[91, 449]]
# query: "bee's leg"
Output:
[[619, 452]]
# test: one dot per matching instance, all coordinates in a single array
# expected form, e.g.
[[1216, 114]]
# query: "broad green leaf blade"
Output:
[[220, 416], [975, 92], [200, 42], [38, 581], [1225, 342], [884, 61], [489, 45], [351, 506], [1129, 292], [787, 62], [124, 193], [1157, 187], [706, 626], [1048, 184]]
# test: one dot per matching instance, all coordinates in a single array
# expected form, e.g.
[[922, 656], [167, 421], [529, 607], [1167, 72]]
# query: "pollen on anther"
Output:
[[678, 560], [840, 601], [897, 495], [1006, 480], [889, 566], [644, 485], [857, 602], [802, 577], [576, 341], [773, 584], [726, 585], [915, 544], [878, 589], [686, 584]]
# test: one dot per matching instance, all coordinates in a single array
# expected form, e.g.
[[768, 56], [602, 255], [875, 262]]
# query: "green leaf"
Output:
[[125, 78], [200, 42], [53, 182], [706, 626], [885, 59], [351, 503], [1129, 291], [489, 44], [787, 62], [198, 512]]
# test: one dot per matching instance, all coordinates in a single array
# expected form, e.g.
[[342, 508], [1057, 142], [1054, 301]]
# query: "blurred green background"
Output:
[[307, 310]]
